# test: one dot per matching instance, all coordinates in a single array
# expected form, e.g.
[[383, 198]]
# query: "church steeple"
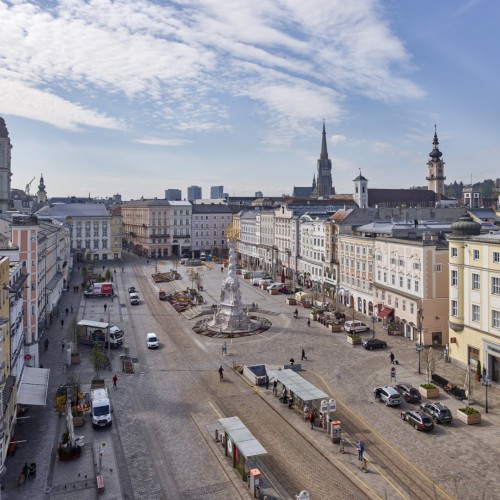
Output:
[[324, 150], [436, 178], [41, 195], [324, 184]]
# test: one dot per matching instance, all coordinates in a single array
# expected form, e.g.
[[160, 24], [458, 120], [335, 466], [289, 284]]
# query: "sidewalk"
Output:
[[39, 434]]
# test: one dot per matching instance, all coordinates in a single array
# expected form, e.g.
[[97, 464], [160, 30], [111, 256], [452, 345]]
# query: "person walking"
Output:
[[46, 343], [62, 345], [62, 324], [267, 382], [308, 321], [221, 373], [105, 307], [275, 388], [312, 420], [224, 348], [361, 448], [26, 471], [66, 311], [304, 355], [391, 357], [115, 379]]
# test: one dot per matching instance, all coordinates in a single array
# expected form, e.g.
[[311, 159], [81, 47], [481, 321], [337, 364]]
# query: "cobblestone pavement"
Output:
[[166, 412]]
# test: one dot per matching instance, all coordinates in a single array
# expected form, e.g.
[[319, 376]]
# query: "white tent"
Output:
[[33, 387]]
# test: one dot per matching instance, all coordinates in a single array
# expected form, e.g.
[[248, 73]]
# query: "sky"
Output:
[[135, 97]]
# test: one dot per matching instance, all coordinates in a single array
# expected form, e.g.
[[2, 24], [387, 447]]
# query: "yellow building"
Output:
[[7, 382], [474, 311]]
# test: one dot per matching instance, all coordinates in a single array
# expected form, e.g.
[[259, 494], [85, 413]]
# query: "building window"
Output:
[[379, 275], [96, 244], [475, 254], [475, 281], [393, 279], [454, 308], [385, 277], [404, 305], [454, 278], [401, 281], [495, 286], [438, 268], [475, 313], [412, 308], [495, 319], [396, 303], [454, 251], [408, 283], [417, 287], [496, 257]]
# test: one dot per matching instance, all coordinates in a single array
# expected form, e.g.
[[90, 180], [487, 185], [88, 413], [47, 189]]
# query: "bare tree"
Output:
[[429, 363]]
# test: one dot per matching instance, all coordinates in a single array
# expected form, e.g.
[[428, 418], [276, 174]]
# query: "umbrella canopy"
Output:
[[69, 424]]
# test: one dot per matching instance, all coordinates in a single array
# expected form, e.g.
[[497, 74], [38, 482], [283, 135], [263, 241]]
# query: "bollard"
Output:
[[364, 465], [342, 446]]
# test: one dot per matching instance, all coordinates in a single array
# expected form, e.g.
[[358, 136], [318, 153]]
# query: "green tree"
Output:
[[98, 359]]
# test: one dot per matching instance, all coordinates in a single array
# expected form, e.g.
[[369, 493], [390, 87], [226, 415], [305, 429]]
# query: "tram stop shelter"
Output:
[[299, 388], [240, 444]]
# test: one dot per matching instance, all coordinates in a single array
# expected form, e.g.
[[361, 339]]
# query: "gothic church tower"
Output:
[[436, 178], [5, 167], [324, 183]]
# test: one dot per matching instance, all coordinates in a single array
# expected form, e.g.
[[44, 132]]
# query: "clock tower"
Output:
[[436, 178], [5, 167]]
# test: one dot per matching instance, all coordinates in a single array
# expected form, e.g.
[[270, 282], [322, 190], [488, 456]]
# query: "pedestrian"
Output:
[[267, 382], [67, 311], [312, 419], [105, 307], [222, 269], [62, 323], [46, 343], [391, 357], [292, 361], [308, 321], [26, 471], [115, 379], [361, 448], [275, 388], [304, 355], [224, 348], [62, 345]]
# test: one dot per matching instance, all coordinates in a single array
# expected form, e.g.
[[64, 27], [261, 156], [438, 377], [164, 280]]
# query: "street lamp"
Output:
[[419, 347], [373, 325], [486, 382]]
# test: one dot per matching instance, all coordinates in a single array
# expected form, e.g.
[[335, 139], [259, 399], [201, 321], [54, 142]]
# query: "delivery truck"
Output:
[[99, 290], [100, 408], [91, 332]]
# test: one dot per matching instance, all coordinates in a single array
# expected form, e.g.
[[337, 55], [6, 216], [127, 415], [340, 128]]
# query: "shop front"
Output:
[[492, 361]]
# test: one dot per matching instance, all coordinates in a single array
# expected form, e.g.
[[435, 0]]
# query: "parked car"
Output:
[[355, 327], [388, 395], [440, 413], [371, 344], [260, 280], [277, 286], [420, 421], [152, 341], [409, 393]]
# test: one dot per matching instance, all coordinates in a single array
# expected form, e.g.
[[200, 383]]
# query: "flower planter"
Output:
[[291, 301], [335, 327], [429, 393], [353, 340], [469, 419], [75, 358], [78, 421]]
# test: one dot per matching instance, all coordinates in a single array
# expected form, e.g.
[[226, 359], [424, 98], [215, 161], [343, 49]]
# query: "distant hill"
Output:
[[489, 188]]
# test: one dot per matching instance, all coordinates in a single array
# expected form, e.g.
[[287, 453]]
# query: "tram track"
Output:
[[292, 458]]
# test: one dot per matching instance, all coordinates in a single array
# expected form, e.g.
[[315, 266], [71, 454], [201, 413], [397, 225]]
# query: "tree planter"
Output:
[[97, 384], [78, 421], [336, 327], [75, 358], [429, 393], [291, 301], [313, 316], [469, 418], [354, 340]]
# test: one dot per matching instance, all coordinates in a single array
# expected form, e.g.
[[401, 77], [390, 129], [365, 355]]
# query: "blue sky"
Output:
[[134, 97]]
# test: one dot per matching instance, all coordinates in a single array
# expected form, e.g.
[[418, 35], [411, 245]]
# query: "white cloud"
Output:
[[337, 139], [182, 64], [158, 141]]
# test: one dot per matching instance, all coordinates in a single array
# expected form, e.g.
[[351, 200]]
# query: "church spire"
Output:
[[324, 150]]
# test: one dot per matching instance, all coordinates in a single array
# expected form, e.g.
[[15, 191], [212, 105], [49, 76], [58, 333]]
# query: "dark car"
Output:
[[421, 421], [131, 289], [409, 393], [438, 411], [374, 344]]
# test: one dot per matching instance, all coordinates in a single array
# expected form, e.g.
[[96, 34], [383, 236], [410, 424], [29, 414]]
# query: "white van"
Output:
[[355, 327], [134, 299], [203, 256]]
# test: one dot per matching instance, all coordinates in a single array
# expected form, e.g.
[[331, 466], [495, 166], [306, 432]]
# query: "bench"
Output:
[[100, 483], [438, 380]]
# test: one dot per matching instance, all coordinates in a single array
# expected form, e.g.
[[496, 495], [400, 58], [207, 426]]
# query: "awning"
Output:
[[33, 387], [298, 385], [242, 437], [52, 284], [384, 312]]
